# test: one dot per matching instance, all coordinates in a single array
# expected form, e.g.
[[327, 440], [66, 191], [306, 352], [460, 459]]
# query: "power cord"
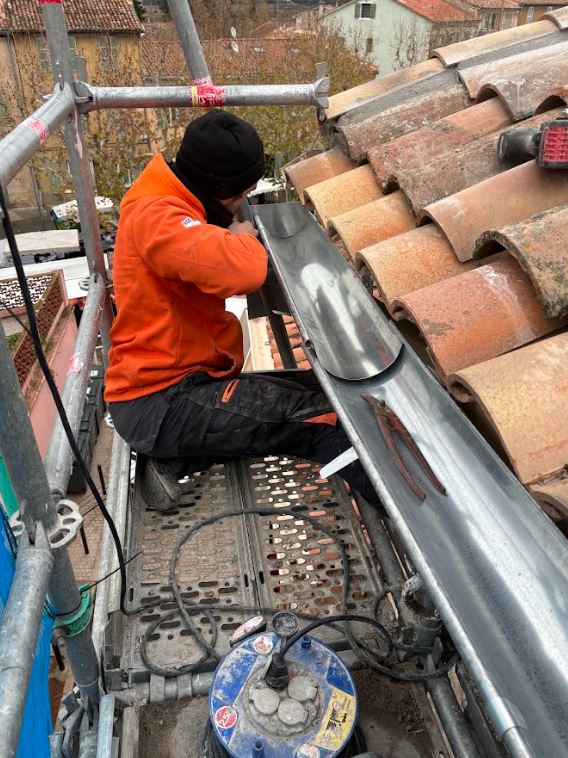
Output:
[[33, 331], [186, 609]]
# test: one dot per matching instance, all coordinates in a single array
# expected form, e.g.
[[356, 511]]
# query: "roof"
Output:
[[227, 58], [437, 11], [496, 4], [465, 249], [82, 16]]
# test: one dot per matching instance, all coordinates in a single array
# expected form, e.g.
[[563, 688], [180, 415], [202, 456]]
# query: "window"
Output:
[[530, 14], [259, 49], [369, 45], [108, 52], [365, 10]]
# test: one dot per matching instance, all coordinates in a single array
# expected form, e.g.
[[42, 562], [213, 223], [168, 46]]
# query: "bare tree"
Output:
[[409, 44]]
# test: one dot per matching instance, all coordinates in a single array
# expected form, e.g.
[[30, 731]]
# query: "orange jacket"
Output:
[[172, 272]]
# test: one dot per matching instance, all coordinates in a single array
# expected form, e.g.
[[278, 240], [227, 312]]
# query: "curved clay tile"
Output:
[[373, 222], [477, 315], [401, 119], [410, 261], [317, 168], [356, 96], [523, 395], [342, 193], [558, 17], [457, 169], [539, 244], [557, 97], [522, 93], [418, 148], [525, 63], [504, 199], [471, 48], [554, 493]]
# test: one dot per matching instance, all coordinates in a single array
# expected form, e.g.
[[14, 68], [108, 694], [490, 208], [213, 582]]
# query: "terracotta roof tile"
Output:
[[82, 16], [244, 58], [401, 119], [488, 43], [539, 244], [438, 10], [504, 199], [420, 148], [342, 193], [490, 313], [475, 77], [352, 98], [552, 493], [314, 169], [458, 169], [495, 4], [373, 222], [523, 395], [410, 261], [559, 17], [522, 92], [477, 315]]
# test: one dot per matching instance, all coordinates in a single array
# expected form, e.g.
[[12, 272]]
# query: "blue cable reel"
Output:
[[312, 717]]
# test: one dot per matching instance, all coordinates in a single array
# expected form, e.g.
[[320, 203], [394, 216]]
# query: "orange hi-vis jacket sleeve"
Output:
[[172, 272]]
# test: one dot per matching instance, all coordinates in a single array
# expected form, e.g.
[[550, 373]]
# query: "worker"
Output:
[[174, 383]]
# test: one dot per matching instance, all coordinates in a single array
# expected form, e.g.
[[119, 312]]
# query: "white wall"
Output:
[[393, 24]]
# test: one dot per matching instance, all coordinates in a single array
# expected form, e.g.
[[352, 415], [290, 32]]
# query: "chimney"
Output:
[[321, 8]]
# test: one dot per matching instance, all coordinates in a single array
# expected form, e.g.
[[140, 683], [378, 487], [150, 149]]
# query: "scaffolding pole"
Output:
[[97, 98], [19, 634], [19, 449], [23, 141], [59, 459], [190, 42], [79, 162]]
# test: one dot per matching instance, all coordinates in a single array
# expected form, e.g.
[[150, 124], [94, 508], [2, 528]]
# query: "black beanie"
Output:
[[221, 155]]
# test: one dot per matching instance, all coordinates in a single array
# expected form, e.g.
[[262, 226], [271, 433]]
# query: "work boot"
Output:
[[160, 482]]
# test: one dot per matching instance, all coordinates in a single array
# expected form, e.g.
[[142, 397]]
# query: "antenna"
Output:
[[233, 32], [234, 46]]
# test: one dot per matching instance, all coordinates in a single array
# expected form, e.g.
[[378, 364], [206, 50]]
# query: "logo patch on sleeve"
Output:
[[189, 222]]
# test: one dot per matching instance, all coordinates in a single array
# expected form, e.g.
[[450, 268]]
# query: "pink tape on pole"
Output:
[[208, 97], [37, 126], [49, 2]]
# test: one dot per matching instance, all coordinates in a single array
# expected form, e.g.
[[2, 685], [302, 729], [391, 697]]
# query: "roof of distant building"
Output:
[[494, 4], [437, 11], [108, 16]]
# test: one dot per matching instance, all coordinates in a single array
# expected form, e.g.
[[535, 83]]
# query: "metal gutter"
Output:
[[494, 564]]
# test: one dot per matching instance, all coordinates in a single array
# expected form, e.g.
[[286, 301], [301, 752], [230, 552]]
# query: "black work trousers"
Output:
[[251, 416]]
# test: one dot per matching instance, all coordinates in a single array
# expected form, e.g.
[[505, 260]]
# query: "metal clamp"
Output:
[[69, 521], [73, 624]]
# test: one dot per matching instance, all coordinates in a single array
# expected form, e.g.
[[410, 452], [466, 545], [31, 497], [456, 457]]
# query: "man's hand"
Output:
[[243, 227]]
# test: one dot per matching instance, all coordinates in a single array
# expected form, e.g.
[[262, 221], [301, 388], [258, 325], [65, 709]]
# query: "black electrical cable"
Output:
[[185, 609], [42, 360]]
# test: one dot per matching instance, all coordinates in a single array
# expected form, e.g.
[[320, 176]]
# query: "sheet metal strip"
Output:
[[495, 566]]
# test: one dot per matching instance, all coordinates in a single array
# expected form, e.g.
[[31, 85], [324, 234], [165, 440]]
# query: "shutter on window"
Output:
[[373, 10], [357, 10]]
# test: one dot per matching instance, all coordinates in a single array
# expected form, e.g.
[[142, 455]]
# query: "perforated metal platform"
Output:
[[278, 561]]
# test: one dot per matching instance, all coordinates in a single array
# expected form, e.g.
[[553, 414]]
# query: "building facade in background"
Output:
[[395, 34]]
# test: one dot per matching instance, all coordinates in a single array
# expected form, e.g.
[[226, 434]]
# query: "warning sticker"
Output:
[[189, 222], [308, 751], [226, 717], [37, 126], [337, 721], [263, 645]]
